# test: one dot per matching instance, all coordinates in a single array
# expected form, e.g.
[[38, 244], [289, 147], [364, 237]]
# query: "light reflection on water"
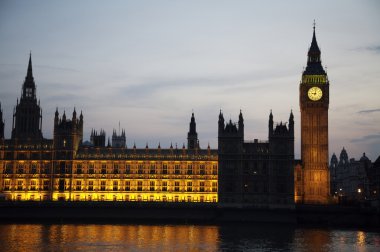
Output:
[[233, 237]]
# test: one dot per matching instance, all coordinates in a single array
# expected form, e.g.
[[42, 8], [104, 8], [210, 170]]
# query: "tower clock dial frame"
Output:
[[314, 93]]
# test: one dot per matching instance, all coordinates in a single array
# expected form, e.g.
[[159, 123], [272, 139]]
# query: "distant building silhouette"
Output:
[[118, 141], [374, 180], [252, 172], [350, 181]]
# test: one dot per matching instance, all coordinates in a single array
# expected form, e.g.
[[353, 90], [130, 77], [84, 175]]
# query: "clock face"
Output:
[[314, 93]]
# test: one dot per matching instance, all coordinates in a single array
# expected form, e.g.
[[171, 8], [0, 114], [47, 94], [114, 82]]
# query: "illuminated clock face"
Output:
[[314, 93]]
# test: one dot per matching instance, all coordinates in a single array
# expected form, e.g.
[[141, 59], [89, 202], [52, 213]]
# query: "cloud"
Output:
[[375, 49], [369, 111], [57, 68], [366, 138]]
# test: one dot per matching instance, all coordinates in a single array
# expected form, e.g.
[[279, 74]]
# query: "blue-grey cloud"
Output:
[[366, 138], [375, 49], [57, 68], [367, 111]]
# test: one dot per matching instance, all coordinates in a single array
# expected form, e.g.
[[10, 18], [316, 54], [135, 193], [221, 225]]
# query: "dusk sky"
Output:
[[149, 64]]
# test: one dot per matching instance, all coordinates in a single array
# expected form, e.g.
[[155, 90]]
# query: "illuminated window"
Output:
[[201, 186], [214, 186], [176, 186], [90, 185], [103, 185], [152, 169], [202, 169], [115, 185], [140, 169], [139, 186], [164, 169], [189, 169], [214, 169], [127, 185], [164, 186], [151, 185], [32, 185], [64, 142], [128, 169], [7, 185], [104, 169], [19, 185], [189, 186], [78, 185], [177, 169]]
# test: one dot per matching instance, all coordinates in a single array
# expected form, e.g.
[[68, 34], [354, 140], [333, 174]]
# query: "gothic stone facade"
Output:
[[65, 168], [239, 173], [256, 173]]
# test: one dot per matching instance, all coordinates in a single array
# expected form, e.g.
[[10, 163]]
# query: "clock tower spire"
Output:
[[314, 105]]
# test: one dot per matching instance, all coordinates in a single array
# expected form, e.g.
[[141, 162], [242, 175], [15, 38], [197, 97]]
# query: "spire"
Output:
[[220, 123], [270, 124], [28, 90], [30, 71], [314, 65], [314, 48], [241, 123], [291, 123], [74, 115], [193, 125], [192, 135], [240, 116]]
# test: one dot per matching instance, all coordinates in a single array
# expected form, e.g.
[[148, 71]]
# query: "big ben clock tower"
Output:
[[314, 104]]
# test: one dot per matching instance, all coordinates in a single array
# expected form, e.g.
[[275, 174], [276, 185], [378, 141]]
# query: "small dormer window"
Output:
[[29, 92]]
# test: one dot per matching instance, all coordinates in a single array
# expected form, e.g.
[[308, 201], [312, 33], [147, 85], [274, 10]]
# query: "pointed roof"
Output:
[[291, 117], [29, 80], [30, 71], [192, 128], [240, 116], [314, 64], [314, 48]]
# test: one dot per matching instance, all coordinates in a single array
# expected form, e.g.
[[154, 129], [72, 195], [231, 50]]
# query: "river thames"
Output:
[[231, 237]]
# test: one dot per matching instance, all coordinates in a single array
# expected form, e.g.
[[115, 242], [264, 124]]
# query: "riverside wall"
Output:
[[182, 213]]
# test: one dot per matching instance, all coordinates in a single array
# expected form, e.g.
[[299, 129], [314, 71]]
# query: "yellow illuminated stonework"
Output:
[[98, 174], [315, 79]]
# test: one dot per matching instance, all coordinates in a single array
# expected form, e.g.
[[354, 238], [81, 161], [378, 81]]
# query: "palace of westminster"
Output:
[[237, 173]]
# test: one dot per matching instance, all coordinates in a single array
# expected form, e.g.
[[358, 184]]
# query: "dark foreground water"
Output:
[[236, 237]]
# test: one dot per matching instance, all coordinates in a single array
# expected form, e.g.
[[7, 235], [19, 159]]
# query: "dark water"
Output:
[[237, 237]]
